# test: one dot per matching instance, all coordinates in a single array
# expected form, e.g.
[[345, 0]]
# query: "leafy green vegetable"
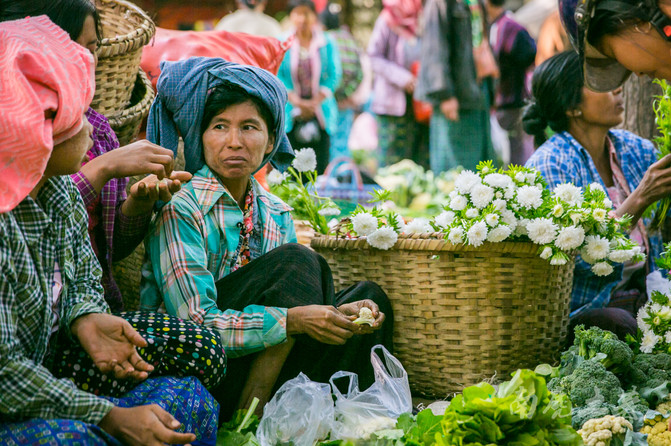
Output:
[[241, 429], [662, 108]]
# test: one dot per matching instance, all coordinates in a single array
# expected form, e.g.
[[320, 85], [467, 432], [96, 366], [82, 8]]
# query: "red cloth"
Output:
[[262, 52], [46, 84], [402, 16]]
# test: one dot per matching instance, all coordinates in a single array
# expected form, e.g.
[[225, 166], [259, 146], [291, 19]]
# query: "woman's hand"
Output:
[[655, 185], [450, 109], [144, 426], [322, 322], [111, 341], [145, 192], [352, 310], [138, 158]]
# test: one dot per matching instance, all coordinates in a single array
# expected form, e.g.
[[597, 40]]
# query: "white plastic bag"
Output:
[[301, 412], [358, 414], [656, 282]]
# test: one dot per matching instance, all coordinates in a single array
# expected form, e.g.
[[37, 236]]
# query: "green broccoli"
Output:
[[593, 409], [592, 341], [591, 380], [651, 376]]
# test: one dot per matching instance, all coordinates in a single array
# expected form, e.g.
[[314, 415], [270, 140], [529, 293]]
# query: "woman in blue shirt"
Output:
[[586, 149]]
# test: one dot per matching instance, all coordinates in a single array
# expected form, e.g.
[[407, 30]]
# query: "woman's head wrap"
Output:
[[402, 16], [182, 91], [46, 85]]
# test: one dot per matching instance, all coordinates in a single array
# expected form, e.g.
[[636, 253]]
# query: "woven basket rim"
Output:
[[140, 108], [139, 37], [418, 242]]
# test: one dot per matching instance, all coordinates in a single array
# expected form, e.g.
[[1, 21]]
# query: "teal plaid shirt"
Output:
[[34, 237], [194, 242]]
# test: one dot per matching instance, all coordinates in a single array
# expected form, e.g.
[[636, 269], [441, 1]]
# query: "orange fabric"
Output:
[[262, 52], [46, 85]]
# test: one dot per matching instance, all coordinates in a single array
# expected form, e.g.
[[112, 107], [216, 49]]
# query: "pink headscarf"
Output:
[[402, 16], [46, 84]]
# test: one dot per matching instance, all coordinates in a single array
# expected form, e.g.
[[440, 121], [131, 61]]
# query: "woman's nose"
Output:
[[233, 139]]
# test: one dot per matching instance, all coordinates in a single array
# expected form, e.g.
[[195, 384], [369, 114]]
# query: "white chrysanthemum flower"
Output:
[[472, 213], [498, 195], [649, 342], [608, 203], [569, 193], [445, 219], [546, 253], [599, 215], [456, 235], [531, 177], [492, 219], [508, 217], [458, 203], [558, 260], [520, 177], [364, 223], [305, 160], [570, 237], [594, 187], [621, 255], [466, 180], [542, 231], [642, 313], [576, 217], [499, 234], [596, 247], [655, 307], [477, 234], [602, 269], [667, 337], [500, 205], [481, 196], [530, 197], [510, 193], [383, 238], [329, 211], [558, 211], [275, 177], [498, 180], [418, 226], [665, 313], [521, 228]]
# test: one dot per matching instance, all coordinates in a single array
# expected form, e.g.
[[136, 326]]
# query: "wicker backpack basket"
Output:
[[126, 29], [461, 314], [126, 123]]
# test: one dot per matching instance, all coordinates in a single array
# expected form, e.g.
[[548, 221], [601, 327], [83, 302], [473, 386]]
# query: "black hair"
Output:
[[251, 4], [225, 96], [612, 17], [68, 14], [497, 2], [330, 16], [296, 3], [556, 88]]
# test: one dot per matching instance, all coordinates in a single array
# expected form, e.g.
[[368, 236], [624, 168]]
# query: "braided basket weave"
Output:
[[461, 314], [126, 29], [126, 123]]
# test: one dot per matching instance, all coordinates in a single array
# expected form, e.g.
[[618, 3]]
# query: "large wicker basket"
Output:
[[126, 124], [461, 314], [126, 29]]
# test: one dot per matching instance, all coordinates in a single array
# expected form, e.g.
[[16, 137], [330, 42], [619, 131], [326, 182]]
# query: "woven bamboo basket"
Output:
[[126, 124], [304, 232], [461, 314], [126, 29]]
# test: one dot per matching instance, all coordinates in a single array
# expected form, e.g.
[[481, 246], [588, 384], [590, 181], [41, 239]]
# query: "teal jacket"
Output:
[[326, 61]]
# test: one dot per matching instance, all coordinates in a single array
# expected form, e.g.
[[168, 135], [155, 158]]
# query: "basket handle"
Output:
[[337, 165]]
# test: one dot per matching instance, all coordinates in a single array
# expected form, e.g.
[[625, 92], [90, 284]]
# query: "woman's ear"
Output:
[[271, 144]]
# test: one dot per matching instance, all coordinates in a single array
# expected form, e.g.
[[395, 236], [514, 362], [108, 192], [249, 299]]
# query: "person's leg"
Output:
[[339, 141], [184, 398], [441, 149], [619, 321], [55, 432]]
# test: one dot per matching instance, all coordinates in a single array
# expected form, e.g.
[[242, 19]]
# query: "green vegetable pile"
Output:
[[603, 376], [662, 108]]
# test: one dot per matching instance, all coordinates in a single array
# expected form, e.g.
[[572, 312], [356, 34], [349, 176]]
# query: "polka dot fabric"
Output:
[[175, 347]]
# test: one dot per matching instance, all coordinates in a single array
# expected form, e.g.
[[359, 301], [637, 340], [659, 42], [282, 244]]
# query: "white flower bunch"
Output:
[[654, 323], [297, 188], [380, 229], [513, 204]]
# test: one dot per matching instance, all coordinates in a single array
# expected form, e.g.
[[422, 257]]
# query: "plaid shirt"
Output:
[[34, 238], [562, 159], [194, 242], [122, 234]]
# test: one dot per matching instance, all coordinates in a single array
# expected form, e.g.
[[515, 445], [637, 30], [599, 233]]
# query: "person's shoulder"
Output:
[[628, 138], [553, 152], [271, 201]]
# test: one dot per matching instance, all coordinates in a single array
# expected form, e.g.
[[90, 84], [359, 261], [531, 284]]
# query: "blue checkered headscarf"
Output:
[[182, 90]]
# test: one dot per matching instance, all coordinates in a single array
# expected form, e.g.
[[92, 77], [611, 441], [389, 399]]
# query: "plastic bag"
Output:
[[301, 412], [656, 282], [358, 414]]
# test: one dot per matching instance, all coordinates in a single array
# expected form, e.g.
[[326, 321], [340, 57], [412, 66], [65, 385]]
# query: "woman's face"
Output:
[[236, 141], [640, 49], [88, 37], [600, 109], [303, 18], [68, 156]]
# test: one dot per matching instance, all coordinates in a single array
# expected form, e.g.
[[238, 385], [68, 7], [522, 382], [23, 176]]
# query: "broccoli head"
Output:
[[593, 409], [590, 381], [650, 370], [593, 341]]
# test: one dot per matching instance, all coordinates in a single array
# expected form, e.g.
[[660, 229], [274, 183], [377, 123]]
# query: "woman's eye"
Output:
[[218, 127], [249, 127]]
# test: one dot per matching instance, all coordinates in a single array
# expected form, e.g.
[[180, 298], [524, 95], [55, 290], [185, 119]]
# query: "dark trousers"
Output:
[[291, 276]]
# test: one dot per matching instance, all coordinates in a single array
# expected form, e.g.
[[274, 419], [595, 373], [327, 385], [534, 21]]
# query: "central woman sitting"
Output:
[[222, 252]]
